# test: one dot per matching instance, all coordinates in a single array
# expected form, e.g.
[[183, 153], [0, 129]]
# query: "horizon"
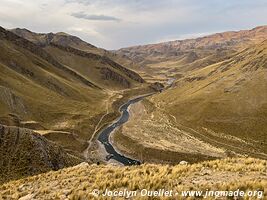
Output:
[[116, 24], [172, 40]]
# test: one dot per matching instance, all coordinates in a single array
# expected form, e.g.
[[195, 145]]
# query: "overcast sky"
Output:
[[113, 24]]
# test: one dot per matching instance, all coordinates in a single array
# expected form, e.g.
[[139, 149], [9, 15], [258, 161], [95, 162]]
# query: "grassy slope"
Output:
[[61, 95], [226, 98], [38, 92], [79, 181], [65, 39], [221, 109], [44, 96], [93, 73]]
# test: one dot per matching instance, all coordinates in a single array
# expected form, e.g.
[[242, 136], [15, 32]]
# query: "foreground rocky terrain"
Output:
[[25, 153], [245, 174]]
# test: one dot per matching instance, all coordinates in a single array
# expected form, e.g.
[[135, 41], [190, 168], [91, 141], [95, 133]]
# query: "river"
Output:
[[104, 136]]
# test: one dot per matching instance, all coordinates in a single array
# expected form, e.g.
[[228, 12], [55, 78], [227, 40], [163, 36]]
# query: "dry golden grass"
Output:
[[150, 135], [79, 181], [223, 103]]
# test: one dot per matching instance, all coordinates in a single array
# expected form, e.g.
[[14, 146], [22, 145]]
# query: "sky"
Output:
[[113, 24]]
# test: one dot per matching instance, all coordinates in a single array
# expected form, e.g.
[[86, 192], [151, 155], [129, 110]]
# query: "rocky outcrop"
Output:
[[131, 74], [103, 59], [24, 153], [108, 74], [157, 86]]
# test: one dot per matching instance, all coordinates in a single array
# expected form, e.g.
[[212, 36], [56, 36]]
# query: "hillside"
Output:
[[39, 92], [228, 97], [62, 91], [63, 39], [175, 58], [245, 174], [75, 53], [221, 109], [25, 153], [67, 40], [59, 91]]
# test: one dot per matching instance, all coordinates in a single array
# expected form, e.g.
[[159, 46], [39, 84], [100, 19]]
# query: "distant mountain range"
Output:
[[177, 57]]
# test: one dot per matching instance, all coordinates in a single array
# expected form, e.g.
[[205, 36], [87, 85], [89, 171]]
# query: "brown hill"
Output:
[[70, 41], [180, 56], [60, 89], [73, 52], [62, 39], [225, 102], [216, 111]]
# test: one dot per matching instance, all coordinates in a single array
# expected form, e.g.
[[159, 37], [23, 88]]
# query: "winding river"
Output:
[[104, 136]]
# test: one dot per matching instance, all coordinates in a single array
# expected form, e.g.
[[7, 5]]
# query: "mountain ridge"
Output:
[[182, 56]]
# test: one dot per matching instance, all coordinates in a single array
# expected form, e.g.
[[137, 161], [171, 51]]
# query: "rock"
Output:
[[22, 187], [183, 162], [83, 164], [157, 86], [196, 182], [66, 192], [27, 197], [206, 172]]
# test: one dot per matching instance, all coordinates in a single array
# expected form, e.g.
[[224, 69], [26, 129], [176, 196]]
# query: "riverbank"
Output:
[[104, 135], [150, 136], [95, 151]]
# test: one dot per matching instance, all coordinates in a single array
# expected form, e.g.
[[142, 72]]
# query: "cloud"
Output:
[[82, 15], [84, 2], [140, 21]]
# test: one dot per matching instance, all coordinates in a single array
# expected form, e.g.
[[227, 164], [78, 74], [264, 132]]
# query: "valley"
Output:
[[212, 105], [60, 92], [195, 102]]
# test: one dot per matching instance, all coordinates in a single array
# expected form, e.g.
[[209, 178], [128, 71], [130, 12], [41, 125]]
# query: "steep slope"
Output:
[[29, 72], [59, 91], [25, 153], [91, 181], [178, 57], [103, 71], [101, 61], [63, 39], [226, 101], [39, 92]]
